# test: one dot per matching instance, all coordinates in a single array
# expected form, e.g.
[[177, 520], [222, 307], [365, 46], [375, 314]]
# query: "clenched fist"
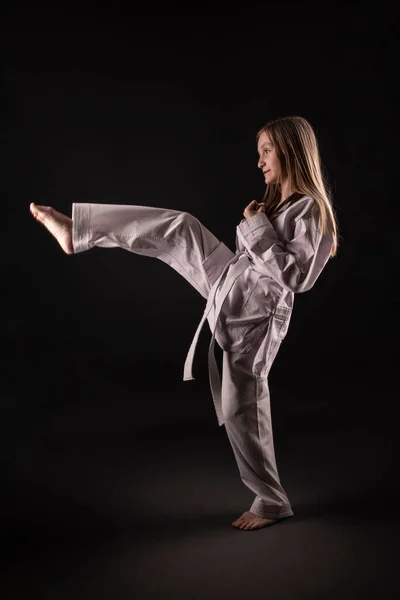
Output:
[[254, 208]]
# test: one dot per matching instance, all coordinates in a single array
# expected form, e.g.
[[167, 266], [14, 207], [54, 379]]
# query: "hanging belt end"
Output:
[[188, 366], [187, 372]]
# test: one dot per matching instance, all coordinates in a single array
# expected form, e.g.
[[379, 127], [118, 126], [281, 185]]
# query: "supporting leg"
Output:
[[247, 413]]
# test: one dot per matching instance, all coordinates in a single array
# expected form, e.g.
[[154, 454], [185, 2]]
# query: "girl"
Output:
[[282, 245]]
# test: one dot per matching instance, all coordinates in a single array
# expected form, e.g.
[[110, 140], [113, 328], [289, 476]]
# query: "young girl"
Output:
[[282, 245]]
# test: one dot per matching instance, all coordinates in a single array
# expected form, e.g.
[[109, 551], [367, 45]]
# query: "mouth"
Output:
[[265, 172]]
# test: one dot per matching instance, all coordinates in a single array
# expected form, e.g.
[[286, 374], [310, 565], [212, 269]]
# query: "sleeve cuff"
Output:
[[249, 226]]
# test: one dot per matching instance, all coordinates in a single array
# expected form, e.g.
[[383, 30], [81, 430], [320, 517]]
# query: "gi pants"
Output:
[[180, 240]]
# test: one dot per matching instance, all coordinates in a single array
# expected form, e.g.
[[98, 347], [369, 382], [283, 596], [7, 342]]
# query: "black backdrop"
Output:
[[160, 107]]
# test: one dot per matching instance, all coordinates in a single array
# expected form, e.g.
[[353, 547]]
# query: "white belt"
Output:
[[241, 261]]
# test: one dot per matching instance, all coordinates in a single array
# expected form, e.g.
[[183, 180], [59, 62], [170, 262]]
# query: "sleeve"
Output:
[[296, 261]]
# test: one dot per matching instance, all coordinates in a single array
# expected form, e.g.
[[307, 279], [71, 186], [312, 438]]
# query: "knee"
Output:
[[234, 412], [186, 219], [184, 223], [228, 413]]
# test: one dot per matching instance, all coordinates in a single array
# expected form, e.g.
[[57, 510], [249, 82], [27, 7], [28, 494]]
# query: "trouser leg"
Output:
[[175, 237], [247, 413]]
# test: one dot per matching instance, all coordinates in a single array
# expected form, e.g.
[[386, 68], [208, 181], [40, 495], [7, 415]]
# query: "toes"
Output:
[[247, 523], [237, 523]]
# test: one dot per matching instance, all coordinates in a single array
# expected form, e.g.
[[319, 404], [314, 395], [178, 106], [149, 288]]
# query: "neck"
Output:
[[285, 192]]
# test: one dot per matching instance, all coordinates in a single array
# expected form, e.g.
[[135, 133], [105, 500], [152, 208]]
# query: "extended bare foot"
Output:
[[59, 225], [249, 520]]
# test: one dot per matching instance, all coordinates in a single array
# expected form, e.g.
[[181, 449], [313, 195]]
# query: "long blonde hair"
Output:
[[299, 157]]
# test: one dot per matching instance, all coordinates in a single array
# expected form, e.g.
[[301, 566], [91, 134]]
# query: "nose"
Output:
[[260, 163]]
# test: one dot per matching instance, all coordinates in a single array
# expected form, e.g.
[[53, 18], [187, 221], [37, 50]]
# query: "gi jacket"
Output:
[[252, 300]]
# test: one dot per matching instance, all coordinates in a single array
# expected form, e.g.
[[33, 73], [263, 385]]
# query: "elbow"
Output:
[[297, 288], [303, 288], [292, 283], [302, 285]]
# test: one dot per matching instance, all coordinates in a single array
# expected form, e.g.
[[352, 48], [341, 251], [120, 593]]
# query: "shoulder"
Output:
[[300, 219], [301, 207]]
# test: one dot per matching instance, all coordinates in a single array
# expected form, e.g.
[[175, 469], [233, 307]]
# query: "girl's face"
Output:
[[268, 160]]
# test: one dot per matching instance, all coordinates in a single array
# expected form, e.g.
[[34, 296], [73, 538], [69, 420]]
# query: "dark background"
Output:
[[160, 106]]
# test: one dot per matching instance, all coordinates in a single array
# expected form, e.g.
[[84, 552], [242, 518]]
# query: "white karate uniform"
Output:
[[249, 304]]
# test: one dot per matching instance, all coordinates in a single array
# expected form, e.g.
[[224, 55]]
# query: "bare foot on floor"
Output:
[[59, 225], [249, 520]]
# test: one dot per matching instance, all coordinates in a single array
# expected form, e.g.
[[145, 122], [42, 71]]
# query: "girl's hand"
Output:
[[254, 208]]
